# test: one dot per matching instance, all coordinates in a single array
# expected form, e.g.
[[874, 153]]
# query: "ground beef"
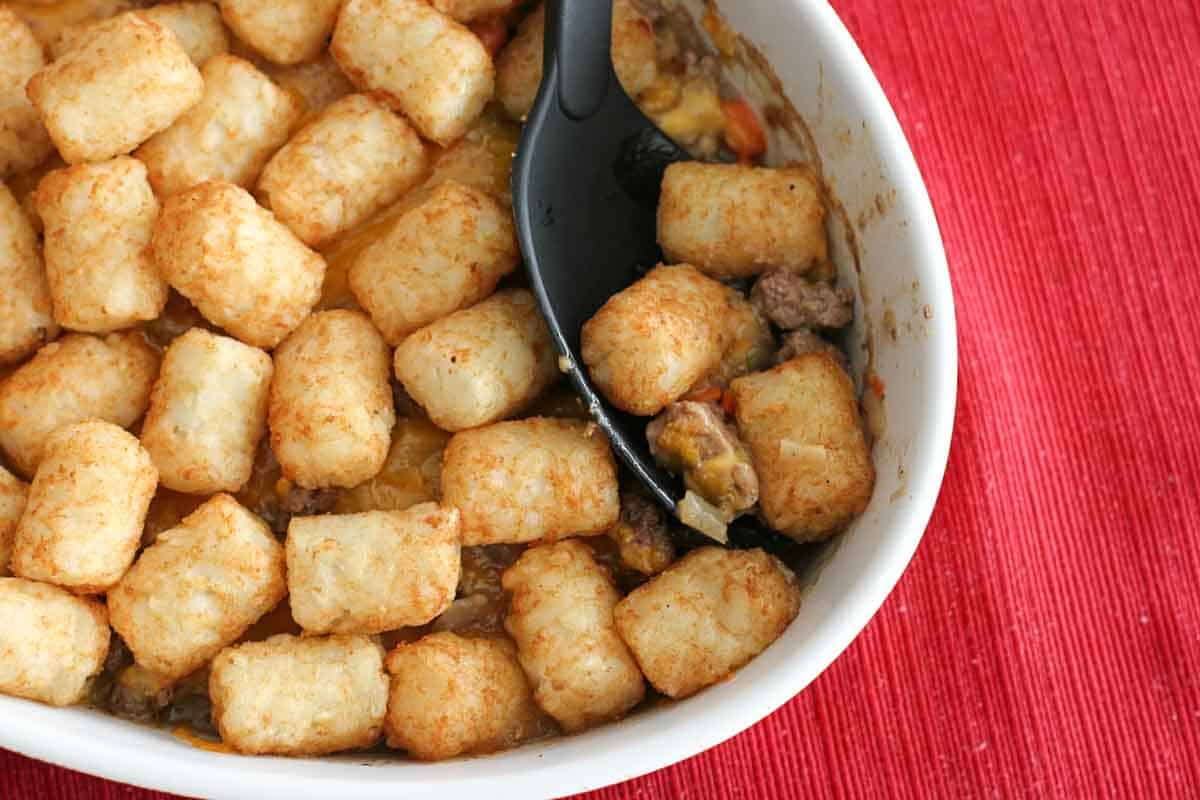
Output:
[[693, 439], [799, 342], [476, 614], [791, 302], [641, 536], [190, 705], [307, 502], [139, 695]]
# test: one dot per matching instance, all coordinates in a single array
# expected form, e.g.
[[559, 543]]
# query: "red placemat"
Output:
[[1046, 639]]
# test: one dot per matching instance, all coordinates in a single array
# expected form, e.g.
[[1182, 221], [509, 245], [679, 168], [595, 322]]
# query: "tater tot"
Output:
[[51, 642], [352, 160], [530, 479], [300, 696], [76, 378], [519, 65], [208, 412], [127, 79], [422, 63], [241, 120], [733, 221], [472, 161], [471, 10], [318, 83], [13, 493], [98, 219], [372, 572], [651, 342], [198, 588], [451, 696], [48, 20], [197, 26], [707, 616], [24, 143], [242, 268], [446, 253], [802, 424], [481, 364], [331, 411], [284, 31], [561, 618], [26, 315], [87, 504]]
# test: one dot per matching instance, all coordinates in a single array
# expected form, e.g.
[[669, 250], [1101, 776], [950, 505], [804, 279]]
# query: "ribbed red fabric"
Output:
[[1046, 640]]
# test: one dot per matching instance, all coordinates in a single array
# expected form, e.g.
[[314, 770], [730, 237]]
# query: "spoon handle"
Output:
[[578, 42]]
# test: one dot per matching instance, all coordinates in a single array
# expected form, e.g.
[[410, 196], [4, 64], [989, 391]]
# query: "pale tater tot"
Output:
[[208, 412], [51, 642], [422, 63], [98, 219], [733, 221], [331, 411], [471, 10], [451, 696], [561, 618], [479, 365], [87, 504], [651, 342], [13, 493], [239, 123], [707, 616], [473, 161], [802, 424], [76, 378], [242, 268], [48, 20], [446, 253], [530, 479], [318, 83], [197, 26], [26, 315], [355, 158], [284, 31], [519, 65], [198, 588], [300, 696], [372, 572], [24, 143], [127, 79]]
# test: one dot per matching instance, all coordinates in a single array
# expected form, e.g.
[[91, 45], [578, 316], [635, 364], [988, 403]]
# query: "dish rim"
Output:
[[114, 749]]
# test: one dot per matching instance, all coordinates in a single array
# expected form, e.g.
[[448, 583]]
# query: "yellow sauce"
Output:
[[188, 736]]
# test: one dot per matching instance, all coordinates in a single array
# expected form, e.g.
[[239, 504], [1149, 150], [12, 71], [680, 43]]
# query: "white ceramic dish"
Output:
[[906, 290]]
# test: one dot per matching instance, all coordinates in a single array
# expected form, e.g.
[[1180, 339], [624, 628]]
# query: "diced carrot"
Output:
[[493, 32], [743, 132], [709, 394], [877, 385], [728, 403], [723, 36]]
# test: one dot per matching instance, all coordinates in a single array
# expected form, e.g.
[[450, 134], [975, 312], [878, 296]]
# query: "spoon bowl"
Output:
[[586, 182]]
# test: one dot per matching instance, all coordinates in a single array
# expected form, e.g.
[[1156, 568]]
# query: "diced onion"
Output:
[[790, 448], [698, 513]]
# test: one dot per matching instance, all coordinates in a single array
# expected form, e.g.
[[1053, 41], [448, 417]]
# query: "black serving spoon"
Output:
[[585, 191], [585, 184]]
